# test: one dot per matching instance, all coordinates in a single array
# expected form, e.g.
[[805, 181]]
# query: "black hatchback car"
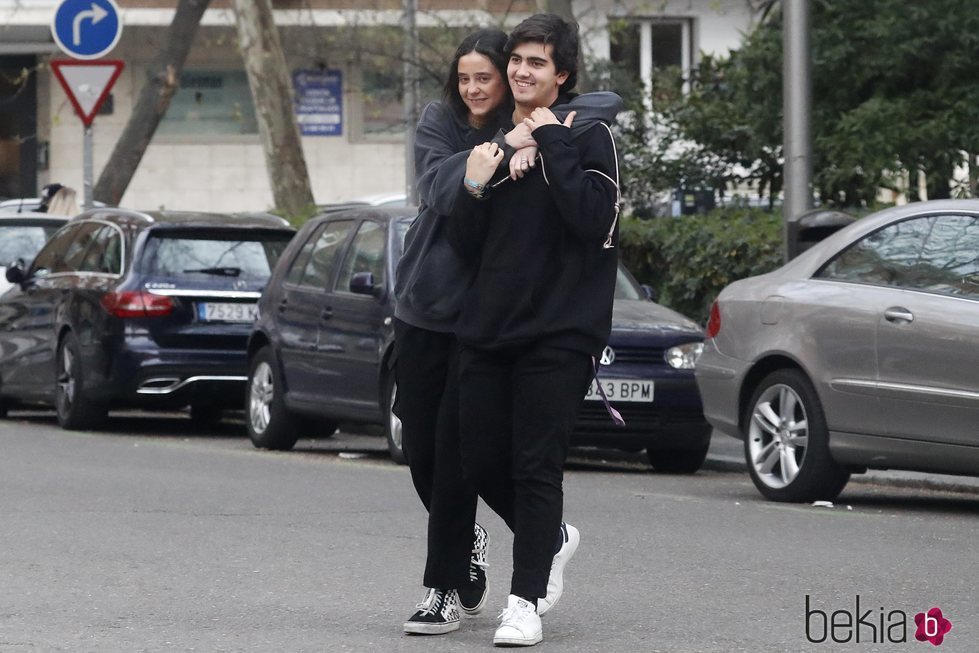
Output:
[[322, 346], [123, 308]]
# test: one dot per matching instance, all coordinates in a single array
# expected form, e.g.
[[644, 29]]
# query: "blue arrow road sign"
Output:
[[86, 29]]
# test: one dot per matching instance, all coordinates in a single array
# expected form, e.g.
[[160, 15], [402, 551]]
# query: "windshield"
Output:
[[400, 231], [22, 241], [626, 286]]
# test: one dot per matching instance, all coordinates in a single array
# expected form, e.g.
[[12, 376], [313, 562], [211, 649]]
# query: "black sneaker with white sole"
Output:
[[437, 614], [472, 595]]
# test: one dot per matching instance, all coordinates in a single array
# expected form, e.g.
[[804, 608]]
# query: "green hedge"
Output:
[[688, 260]]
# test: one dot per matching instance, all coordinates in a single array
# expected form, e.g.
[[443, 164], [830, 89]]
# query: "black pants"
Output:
[[518, 408], [428, 405]]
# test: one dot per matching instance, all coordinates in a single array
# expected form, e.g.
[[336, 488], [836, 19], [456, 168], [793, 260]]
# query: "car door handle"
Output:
[[326, 313], [899, 315]]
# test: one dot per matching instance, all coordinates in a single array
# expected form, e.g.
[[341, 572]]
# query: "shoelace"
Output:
[[515, 613], [427, 607], [473, 564]]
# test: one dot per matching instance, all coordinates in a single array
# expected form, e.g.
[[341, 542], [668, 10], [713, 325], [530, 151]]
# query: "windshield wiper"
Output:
[[223, 272]]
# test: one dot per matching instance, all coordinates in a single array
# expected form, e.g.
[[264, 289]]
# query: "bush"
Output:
[[689, 260]]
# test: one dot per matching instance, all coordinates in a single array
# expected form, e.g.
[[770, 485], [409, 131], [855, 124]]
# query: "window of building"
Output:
[[651, 50], [210, 102]]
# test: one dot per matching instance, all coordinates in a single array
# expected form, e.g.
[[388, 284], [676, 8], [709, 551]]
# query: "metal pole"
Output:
[[796, 105], [410, 96], [87, 169]]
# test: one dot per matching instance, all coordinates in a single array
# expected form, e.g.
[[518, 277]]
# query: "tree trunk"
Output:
[[271, 87], [164, 77]]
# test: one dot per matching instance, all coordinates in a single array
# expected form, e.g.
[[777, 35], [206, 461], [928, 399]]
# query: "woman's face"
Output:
[[481, 86]]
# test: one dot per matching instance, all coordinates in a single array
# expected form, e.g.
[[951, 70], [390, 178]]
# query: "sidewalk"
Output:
[[727, 454]]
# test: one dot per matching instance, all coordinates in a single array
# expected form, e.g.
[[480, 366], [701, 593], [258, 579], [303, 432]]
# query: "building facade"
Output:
[[346, 57]]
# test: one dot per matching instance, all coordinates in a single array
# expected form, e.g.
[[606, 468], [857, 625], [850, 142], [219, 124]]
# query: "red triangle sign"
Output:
[[87, 84]]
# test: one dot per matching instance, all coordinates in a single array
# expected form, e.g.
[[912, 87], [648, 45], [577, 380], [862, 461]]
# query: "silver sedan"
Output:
[[861, 353]]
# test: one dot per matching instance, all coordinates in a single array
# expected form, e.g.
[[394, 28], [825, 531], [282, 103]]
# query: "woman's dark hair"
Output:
[[487, 42], [550, 29]]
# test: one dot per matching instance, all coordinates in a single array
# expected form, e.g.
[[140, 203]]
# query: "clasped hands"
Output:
[[484, 159]]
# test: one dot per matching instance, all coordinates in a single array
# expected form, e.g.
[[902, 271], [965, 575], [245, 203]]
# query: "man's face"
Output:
[[534, 79]]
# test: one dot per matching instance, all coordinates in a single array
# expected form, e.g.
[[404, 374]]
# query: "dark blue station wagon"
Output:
[[123, 308]]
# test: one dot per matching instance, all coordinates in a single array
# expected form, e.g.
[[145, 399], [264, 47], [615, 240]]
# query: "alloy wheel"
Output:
[[260, 394], [778, 436], [66, 379], [394, 420]]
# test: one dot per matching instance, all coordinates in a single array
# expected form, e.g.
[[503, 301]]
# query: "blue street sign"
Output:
[[86, 29], [319, 102]]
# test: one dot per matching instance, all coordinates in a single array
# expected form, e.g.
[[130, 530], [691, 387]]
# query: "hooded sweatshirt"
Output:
[[432, 280]]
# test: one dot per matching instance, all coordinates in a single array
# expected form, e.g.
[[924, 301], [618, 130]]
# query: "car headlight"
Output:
[[684, 357]]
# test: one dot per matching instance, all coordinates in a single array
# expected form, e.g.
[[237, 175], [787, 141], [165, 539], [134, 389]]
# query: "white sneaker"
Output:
[[555, 582], [519, 625]]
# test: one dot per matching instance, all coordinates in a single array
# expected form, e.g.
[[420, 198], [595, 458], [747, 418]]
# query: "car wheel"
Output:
[[787, 441], [392, 425], [205, 414], [678, 461], [269, 424], [3, 408], [74, 411]]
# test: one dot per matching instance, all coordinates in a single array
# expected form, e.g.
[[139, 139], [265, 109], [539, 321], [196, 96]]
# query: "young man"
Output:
[[537, 313]]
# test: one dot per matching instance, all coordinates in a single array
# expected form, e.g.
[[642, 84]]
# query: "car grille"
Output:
[[637, 356], [645, 418]]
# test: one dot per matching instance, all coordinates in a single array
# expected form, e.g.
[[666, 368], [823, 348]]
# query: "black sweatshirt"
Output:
[[432, 280], [544, 275]]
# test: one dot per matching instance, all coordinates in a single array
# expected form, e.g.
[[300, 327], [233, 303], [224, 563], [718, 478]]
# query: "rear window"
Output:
[[22, 241], [185, 254]]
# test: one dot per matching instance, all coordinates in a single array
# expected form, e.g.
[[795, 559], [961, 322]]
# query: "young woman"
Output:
[[432, 281]]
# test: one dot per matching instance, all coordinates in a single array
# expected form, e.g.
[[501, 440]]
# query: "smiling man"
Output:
[[539, 310]]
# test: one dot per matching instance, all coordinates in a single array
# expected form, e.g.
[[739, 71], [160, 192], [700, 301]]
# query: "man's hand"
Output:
[[519, 137], [544, 116], [482, 162], [522, 161]]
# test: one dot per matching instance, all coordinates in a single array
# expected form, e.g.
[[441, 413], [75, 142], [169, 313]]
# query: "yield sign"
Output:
[[87, 84]]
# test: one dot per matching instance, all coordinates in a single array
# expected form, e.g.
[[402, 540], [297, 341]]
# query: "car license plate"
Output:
[[619, 390], [226, 312]]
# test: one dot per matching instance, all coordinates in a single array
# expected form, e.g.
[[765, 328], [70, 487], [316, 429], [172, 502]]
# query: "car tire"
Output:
[[4, 407], [268, 421], [74, 411], [392, 423], [786, 441], [678, 461]]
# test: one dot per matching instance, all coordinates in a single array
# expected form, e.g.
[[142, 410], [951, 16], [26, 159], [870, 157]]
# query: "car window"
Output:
[[949, 262], [883, 258], [65, 251], [22, 241], [366, 254], [934, 254], [104, 253], [188, 254], [625, 286], [314, 269]]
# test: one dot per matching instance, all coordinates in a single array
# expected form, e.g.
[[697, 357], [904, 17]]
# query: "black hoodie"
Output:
[[545, 246], [432, 279]]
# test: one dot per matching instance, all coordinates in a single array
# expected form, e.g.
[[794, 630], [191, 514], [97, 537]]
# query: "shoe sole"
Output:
[[506, 641], [573, 543], [416, 628]]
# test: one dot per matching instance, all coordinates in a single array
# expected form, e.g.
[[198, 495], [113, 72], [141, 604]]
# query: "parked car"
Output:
[[322, 344], [861, 353], [123, 308], [29, 205], [22, 235]]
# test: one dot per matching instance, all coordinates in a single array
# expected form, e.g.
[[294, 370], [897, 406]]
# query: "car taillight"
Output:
[[714, 322], [137, 303]]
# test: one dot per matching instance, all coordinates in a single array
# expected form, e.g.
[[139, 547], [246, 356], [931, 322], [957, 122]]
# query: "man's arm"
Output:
[[582, 177]]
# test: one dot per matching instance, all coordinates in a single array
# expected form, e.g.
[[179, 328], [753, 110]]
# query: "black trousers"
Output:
[[518, 408], [428, 405]]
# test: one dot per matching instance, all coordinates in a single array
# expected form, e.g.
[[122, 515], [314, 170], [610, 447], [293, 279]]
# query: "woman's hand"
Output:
[[522, 161], [544, 116], [482, 162]]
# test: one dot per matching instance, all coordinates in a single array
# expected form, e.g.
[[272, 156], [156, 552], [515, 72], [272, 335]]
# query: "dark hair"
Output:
[[550, 29], [488, 42]]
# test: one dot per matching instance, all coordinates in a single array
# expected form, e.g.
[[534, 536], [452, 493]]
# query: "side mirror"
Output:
[[362, 283], [15, 272], [648, 291]]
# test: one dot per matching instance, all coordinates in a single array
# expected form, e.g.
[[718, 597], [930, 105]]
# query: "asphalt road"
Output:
[[154, 536]]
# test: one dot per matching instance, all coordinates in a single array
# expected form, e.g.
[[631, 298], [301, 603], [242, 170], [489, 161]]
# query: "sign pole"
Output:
[[87, 168]]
